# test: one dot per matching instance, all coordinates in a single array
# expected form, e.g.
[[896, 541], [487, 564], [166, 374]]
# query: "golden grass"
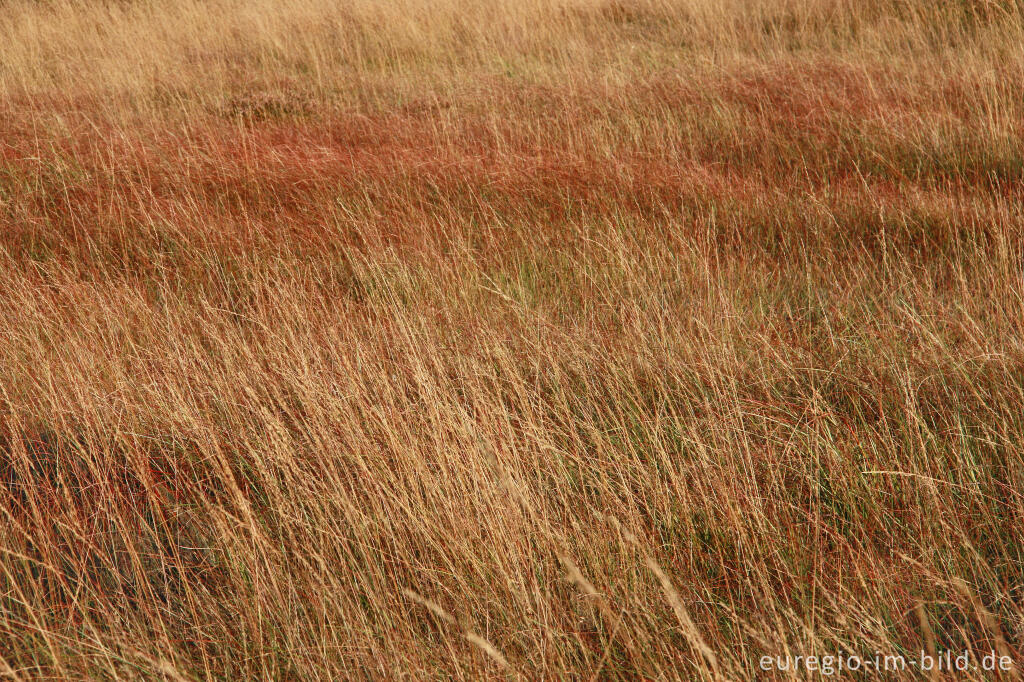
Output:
[[542, 339]]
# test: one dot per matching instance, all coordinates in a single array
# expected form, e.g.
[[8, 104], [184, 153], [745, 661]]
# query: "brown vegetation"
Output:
[[540, 339]]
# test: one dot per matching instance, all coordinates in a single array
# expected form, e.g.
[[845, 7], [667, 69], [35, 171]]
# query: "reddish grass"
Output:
[[270, 367]]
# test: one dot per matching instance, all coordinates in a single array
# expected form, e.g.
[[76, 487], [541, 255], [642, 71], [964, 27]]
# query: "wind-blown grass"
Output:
[[531, 340]]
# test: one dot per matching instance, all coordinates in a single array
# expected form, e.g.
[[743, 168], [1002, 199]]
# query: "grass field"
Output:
[[542, 339]]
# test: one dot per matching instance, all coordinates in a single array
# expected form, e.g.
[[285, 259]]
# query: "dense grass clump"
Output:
[[542, 339]]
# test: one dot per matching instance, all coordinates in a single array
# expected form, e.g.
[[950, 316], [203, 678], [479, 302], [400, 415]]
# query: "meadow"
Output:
[[541, 339]]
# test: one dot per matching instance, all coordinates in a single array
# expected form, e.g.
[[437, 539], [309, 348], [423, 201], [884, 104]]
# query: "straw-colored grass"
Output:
[[538, 339]]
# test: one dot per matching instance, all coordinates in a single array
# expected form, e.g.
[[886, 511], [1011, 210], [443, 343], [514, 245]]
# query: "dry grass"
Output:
[[541, 339]]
